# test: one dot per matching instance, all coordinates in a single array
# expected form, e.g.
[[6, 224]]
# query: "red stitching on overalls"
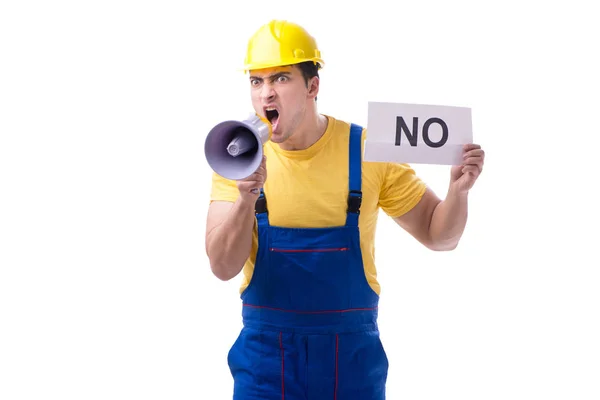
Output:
[[311, 312], [308, 250], [282, 368]]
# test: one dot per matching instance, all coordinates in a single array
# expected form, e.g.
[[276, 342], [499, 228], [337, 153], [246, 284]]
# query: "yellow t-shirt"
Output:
[[309, 188]]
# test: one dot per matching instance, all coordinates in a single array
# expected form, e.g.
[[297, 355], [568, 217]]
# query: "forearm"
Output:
[[229, 243], [449, 220]]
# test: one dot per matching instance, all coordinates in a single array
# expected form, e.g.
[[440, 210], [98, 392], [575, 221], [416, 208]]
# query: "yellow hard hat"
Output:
[[280, 43]]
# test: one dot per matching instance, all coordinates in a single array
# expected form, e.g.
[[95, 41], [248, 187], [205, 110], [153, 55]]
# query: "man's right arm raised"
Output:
[[229, 236], [229, 227]]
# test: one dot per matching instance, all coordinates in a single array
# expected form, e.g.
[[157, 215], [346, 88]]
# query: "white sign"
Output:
[[417, 133]]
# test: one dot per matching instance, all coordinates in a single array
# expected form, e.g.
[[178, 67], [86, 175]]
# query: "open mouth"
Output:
[[272, 115]]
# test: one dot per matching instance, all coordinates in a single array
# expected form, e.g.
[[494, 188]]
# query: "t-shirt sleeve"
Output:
[[401, 189], [223, 189]]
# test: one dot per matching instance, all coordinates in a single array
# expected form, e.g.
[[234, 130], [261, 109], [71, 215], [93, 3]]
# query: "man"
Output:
[[303, 237]]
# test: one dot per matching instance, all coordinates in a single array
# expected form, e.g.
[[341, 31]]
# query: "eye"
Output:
[[254, 82], [282, 78]]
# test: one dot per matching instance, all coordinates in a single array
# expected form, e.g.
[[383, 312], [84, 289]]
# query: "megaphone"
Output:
[[234, 149]]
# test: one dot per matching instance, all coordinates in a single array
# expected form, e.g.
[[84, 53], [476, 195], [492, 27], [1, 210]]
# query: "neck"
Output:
[[308, 132]]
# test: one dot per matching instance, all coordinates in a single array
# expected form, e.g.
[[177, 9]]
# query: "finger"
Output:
[[262, 168], [262, 171], [247, 185], [474, 153], [254, 190], [472, 169], [257, 175], [474, 161], [470, 146], [263, 162], [254, 180]]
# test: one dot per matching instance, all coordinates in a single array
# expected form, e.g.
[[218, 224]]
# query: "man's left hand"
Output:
[[463, 177]]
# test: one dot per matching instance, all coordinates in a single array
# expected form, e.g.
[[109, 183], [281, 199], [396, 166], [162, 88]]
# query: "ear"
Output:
[[313, 87]]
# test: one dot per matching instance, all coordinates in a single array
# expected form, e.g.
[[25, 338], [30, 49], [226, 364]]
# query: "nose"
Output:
[[267, 93]]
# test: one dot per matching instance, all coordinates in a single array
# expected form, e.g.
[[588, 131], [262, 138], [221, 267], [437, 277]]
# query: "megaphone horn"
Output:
[[234, 149]]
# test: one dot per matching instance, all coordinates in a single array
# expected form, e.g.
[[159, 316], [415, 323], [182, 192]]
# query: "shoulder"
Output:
[[344, 126], [223, 189], [342, 130]]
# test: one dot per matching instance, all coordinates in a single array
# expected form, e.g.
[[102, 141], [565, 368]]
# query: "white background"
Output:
[[105, 290]]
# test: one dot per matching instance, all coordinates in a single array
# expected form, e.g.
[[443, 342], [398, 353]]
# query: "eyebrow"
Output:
[[272, 76]]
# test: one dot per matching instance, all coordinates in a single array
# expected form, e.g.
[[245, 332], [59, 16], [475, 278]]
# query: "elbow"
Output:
[[442, 245], [217, 266], [220, 272], [439, 248], [447, 247], [223, 272], [223, 277], [225, 264]]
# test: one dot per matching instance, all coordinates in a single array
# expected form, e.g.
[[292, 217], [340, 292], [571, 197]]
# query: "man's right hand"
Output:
[[250, 187]]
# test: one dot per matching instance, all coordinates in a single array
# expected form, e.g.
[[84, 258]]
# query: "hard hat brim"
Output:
[[250, 67]]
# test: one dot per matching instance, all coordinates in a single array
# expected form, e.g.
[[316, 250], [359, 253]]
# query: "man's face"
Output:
[[280, 94]]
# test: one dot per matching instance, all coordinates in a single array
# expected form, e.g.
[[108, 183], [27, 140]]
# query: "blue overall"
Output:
[[309, 315]]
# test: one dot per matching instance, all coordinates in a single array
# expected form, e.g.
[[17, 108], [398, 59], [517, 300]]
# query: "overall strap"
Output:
[[354, 175], [260, 209]]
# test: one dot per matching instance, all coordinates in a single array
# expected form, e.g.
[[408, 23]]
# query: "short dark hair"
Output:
[[309, 70]]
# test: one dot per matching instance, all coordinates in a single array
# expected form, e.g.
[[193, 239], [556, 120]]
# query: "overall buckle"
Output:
[[261, 205], [354, 201]]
